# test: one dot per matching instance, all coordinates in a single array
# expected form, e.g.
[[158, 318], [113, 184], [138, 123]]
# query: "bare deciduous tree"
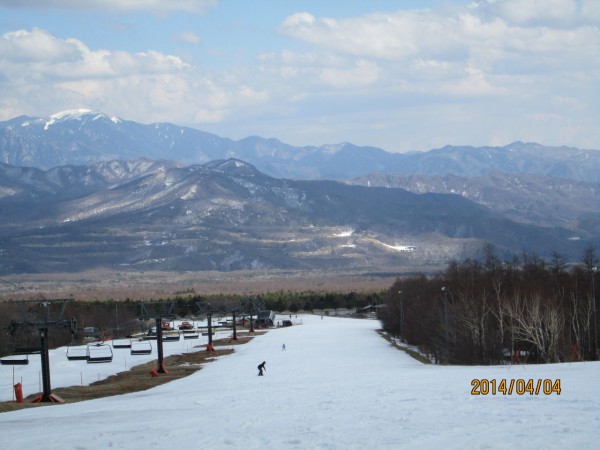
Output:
[[537, 323]]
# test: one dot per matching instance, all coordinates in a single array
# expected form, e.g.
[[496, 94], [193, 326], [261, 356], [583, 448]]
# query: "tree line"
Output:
[[490, 311], [478, 311]]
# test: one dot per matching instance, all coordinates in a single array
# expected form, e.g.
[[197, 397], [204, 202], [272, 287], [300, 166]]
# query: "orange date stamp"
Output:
[[519, 386]]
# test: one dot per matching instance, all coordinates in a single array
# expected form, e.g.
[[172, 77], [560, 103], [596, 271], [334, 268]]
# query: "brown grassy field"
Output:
[[101, 284]]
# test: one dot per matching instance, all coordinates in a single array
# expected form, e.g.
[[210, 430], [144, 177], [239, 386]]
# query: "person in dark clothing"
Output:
[[261, 367]]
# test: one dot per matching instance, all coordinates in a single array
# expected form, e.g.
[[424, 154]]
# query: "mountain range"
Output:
[[82, 190], [83, 137], [524, 198], [227, 215]]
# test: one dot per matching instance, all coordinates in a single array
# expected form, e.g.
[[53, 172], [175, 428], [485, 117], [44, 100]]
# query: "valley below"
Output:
[[152, 285]]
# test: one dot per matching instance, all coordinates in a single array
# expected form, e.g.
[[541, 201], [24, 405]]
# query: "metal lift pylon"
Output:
[[158, 311], [39, 315], [208, 309]]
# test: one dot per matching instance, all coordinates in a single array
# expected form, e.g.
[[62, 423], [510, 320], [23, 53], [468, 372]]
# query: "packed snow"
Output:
[[337, 385]]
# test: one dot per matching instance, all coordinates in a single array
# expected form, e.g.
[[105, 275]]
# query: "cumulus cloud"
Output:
[[482, 48], [388, 36], [37, 53], [45, 73], [37, 46], [485, 30], [161, 6], [534, 58]]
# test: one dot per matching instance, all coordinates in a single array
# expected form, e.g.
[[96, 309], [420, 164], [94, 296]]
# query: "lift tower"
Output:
[[42, 315]]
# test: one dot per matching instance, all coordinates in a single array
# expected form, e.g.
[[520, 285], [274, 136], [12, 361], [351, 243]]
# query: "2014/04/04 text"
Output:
[[519, 386]]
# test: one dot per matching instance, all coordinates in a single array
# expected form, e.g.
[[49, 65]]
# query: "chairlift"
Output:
[[15, 360], [121, 343], [99, 353], [77, 353], [189, 331], [27, 350], [170, 337], [142, 347], [20, 356]]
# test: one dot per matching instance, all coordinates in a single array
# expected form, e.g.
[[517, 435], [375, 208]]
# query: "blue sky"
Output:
[[400, 75]]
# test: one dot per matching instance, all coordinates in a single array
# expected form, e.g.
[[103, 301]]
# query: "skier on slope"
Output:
[[261, 367]]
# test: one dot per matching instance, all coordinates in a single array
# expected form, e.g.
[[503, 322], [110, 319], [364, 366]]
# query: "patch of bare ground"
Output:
[[408, 351], [138, 378], [104, 284]]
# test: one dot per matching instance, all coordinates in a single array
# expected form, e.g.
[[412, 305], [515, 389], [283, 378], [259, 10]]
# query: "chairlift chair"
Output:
[[15, 360], [99, 353], [141, 347], [77, 353], [121, 343], [168, 337], [20, 356]]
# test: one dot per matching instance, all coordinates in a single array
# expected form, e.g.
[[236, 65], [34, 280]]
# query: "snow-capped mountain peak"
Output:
[[79, 115]]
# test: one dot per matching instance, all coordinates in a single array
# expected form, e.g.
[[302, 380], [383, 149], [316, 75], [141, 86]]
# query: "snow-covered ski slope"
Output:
[[338, 385]]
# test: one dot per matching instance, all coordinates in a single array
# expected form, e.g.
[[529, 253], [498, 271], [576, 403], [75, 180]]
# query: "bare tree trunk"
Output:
[[499, 313], [538, 324], [471, 314]]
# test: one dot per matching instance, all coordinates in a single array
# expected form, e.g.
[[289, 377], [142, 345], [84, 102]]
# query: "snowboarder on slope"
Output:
[[261, 367]]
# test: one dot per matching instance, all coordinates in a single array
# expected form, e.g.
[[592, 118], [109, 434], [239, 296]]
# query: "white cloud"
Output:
[[491, 63], [37, 46], [38, 54], [388, 36], [46, 74], [472, 51], [473, 33]]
